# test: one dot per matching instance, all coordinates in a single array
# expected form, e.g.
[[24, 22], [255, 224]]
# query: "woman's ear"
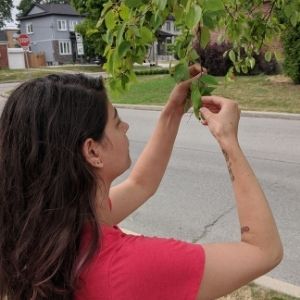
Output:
[[92, 151]]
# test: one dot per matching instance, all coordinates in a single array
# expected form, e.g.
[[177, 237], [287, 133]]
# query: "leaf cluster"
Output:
[[131, 27], [5, 11]]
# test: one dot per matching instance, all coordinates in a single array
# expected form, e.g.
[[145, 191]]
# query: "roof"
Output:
[[50, 9], [164, 33]]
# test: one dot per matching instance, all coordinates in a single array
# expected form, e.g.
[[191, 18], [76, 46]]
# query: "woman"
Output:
[[62, 144]]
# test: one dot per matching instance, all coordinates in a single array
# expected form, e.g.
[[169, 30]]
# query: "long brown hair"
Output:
[[47, 189]]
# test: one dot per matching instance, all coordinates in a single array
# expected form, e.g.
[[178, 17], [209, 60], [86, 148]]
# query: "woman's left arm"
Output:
[[148, 171]]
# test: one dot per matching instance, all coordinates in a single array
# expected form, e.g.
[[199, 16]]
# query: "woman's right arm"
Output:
[[230, 266]]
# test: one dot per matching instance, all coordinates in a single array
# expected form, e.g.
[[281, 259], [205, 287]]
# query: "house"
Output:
[[11, 34], [3, 50], [51, 28], [166, 35]]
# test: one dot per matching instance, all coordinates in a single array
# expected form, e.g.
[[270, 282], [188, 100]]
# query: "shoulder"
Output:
[[165, 268]]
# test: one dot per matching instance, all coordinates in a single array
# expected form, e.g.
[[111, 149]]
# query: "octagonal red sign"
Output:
[[24, 40]]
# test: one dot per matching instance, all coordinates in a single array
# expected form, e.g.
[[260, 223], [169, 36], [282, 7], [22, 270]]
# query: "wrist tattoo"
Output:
[[228, 164], [245, 229]]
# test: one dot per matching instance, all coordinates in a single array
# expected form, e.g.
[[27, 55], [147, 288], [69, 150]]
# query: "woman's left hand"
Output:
[[180, 93]]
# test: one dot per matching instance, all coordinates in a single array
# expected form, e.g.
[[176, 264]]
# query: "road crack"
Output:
[[207, 228]]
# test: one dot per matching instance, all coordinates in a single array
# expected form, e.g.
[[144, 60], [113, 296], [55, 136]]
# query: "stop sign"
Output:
[[24, 40]]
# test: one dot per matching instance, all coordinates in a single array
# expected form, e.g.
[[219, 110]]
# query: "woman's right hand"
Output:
[[222, 117]]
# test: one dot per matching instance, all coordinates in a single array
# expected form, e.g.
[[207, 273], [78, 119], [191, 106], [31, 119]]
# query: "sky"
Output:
[[12, 24]]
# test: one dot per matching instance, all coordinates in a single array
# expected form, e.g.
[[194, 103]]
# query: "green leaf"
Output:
[[294, 19], [181, 72], [91, 31], [205, 37], [133, 3], [146, 35], [206, 91], [156, 21], [194, 15], [208, 20], [123, 48], [213, 5], [244, 69], [196, 99], [178, 13], [193, 55], [268, 56], [252, 62], [232, 56], [124, 12], [161, 4], [106, 7], [110, 20], [209, 80], [121, 30]]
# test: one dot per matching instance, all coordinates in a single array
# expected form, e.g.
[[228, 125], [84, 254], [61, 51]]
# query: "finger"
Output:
[[187, 83], [206, 113], [218, 100], [195, 69], [212, 107]]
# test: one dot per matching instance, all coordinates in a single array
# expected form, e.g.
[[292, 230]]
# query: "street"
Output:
[[195, 201]]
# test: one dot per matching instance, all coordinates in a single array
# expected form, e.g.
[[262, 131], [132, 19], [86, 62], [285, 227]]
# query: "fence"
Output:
[[36, 60]]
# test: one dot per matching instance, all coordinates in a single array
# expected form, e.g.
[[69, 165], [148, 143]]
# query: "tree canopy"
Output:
[[126, 29], [5, 11], [87, 28]]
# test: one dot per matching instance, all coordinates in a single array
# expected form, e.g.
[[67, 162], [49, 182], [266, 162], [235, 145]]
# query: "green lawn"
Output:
[[263, 93]]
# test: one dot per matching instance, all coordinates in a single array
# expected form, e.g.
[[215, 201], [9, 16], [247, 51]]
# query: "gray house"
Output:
[[165, 37], [51, 28]]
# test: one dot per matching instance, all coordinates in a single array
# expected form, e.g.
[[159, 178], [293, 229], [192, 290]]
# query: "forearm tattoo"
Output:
[[228, 164]]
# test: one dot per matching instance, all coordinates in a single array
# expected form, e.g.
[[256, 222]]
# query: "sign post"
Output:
[[79, 43], [24, 42]]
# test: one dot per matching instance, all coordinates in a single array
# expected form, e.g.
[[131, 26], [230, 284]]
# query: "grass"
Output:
[[255, 292], [7, 75], [261, 93]]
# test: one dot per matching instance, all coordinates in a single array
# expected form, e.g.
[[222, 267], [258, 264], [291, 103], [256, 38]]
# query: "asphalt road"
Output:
[[195, 201]]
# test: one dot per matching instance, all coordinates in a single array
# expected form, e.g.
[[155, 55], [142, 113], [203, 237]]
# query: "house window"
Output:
[[65, 47], [29, 28], [72, 25], [62, 25], [168, 26]]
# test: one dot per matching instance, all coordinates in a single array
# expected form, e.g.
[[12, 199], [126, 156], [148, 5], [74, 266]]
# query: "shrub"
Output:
[[291, 44], [212, 58], [152, 71]]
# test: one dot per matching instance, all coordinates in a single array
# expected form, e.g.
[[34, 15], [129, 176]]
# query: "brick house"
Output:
[[3, 50], [51, 28]]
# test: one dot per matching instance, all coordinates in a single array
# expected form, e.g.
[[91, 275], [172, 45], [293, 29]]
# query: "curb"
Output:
[[245, 113], [278, 286], [263, 281]]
